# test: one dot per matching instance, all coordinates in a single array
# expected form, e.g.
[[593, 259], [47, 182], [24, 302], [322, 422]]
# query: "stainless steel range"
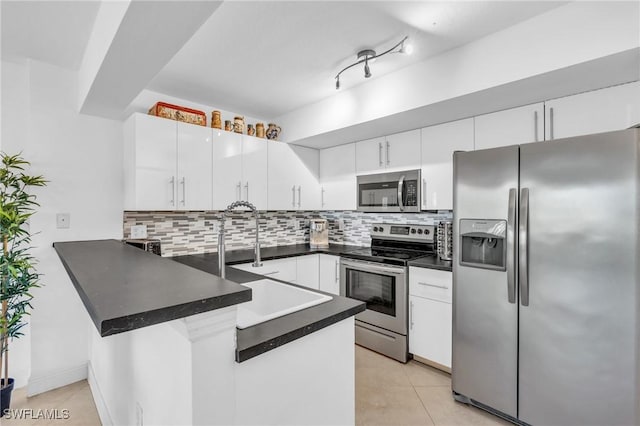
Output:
[[378, 276]]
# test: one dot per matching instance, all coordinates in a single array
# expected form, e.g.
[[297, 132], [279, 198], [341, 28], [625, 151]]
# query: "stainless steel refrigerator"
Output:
[[546, 327]]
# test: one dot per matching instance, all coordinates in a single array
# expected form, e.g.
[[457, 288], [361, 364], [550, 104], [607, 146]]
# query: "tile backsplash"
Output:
[[196, 232]]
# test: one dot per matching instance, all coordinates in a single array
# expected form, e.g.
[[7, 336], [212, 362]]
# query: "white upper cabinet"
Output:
[[438, 145], [293, 177], [338, 177], [239, 170], [254, 171], [227, 168], [398, 151], [402, 150], [510, 127], [370, 155], [167, 164], [194, 173], [604, 110]]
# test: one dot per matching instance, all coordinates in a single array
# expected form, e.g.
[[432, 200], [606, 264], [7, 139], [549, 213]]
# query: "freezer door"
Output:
[[485, 321], [579, 329]]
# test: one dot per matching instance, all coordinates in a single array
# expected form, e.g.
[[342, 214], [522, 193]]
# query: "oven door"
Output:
[[382, 287]]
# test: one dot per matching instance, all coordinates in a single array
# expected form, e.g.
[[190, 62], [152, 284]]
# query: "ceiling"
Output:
[[267, 58], [55, 32]]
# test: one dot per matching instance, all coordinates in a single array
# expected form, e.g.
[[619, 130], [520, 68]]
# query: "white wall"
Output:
[[81, 156], [572, 34]]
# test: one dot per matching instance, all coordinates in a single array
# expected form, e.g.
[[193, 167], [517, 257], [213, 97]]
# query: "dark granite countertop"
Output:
[[263, 337], [432, 262], [124, 288]]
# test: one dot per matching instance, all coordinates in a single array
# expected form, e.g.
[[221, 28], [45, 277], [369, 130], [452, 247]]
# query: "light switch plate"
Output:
[[139, 231], [63, 220]]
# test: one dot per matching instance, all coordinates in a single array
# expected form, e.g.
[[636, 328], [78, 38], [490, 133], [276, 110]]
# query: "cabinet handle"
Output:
[[322, 197], [424, 193], [550, 123], [411, 314], [337, 271], [246, 188], [299, 195], [433, 285], [535, 125], [387, 153], [238, 191], [380, 153], [293, 195], [172, 181], [184, 190]]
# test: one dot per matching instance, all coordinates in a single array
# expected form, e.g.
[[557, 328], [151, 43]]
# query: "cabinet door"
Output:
[[338, 177], [281, 269], [370, 155], [307, 271], [402, 150], [227, 168], [330, 273], [438, 145], [194, 167], [281, 181], [306, 171], [254, 171], [430, 330], [155, 163], [510, 127], [613, 108]]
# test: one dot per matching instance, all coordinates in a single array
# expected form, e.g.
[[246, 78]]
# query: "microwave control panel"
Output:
[[412, 193]]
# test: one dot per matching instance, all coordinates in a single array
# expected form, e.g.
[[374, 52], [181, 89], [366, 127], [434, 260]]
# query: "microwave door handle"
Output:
[[401, 193]]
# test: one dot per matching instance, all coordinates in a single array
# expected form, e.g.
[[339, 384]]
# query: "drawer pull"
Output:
[[271, 273], [434, 285]]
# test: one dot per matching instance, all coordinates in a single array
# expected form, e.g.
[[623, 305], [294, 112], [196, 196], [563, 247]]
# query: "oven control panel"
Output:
[[424, 233]]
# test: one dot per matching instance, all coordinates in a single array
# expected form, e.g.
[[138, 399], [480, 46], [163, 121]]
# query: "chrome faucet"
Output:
[[221, 247]]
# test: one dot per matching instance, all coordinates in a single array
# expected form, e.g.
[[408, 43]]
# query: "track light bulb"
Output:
[[407, 47], [367, 71], [338, 83]]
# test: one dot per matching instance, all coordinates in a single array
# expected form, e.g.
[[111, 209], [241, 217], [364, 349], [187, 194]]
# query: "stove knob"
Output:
[[426, 232], [381, 229], [419, 231], [375, 229], [413, 231]]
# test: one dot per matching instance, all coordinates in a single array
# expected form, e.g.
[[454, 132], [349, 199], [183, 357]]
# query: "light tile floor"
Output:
[[387, 393], [391, 393], [76, 398]]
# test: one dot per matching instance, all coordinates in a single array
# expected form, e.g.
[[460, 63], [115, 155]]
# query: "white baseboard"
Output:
[[98, 399], [56, 380]]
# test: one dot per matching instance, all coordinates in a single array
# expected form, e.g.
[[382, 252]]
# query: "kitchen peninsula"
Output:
[[167, 349]]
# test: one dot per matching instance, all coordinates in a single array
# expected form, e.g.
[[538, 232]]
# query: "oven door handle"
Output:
[[365, 266], [401, 192]]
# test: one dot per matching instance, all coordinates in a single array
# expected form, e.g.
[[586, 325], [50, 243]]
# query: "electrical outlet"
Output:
[[139, 231], [63, 220], [293, 224], [340, 224], [215, 228]]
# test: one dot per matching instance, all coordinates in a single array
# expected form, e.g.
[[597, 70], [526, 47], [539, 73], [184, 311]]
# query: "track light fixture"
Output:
[[364, 56]]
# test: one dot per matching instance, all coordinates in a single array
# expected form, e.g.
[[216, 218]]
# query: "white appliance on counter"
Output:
[[546, 280]]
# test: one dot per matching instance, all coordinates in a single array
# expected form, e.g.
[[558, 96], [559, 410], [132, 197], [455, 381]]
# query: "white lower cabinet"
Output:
[[330, 273], [307, 267], [281, 269], [430, 315]]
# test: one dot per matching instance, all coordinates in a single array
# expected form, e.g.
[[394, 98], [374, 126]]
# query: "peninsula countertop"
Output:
[[124, 288]]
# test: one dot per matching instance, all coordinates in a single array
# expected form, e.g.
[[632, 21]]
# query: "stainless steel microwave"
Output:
[[389, 192]]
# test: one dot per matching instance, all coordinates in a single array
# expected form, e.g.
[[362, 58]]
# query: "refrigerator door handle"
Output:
[[523, 243], [511, 246]]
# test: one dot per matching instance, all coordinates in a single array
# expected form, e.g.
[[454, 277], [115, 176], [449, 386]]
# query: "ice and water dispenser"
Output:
[[483, 243]]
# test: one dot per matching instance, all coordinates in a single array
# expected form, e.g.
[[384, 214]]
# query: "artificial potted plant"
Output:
[[17, 273]]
